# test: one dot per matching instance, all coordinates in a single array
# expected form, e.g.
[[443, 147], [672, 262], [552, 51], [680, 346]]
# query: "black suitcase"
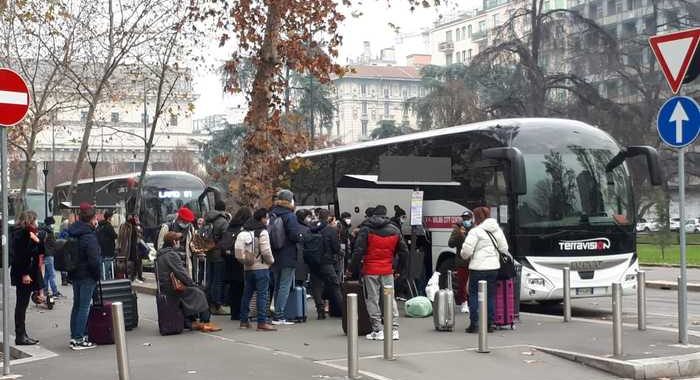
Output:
[[364, 326], [171, 320], [121, 291]]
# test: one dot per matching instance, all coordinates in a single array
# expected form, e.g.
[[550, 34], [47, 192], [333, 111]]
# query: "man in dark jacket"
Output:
[[218, 220], [377, 246], [459, 233], [286, 257], [324, 276], [84, 276], [48, 239], [107, 236]]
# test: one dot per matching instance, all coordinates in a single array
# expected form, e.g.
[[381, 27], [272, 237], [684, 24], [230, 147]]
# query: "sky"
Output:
[[368, 20]]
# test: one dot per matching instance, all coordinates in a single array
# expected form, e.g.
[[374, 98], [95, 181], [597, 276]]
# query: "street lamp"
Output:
[[93, 164], [46, 186]]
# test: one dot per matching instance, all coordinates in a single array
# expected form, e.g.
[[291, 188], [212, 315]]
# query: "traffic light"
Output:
[[694, 69]]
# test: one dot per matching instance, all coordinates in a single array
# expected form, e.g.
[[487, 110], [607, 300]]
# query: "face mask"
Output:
[[182, 224], [348, 221], [467, 223]]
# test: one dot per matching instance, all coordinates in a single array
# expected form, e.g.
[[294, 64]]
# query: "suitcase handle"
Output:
[[449, 280]]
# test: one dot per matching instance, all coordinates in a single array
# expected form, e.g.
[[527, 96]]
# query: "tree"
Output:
[[222, 153], [273, 33], [27, 48], [101, 35], [388, 128], [315, 104], [450, 100]]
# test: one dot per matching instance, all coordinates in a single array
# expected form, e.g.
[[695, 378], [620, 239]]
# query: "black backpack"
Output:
[[277, 232], [312, 248], [67, 254], [228, 240]]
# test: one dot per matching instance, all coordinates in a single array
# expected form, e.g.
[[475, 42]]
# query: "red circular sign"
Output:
[[14, 98]]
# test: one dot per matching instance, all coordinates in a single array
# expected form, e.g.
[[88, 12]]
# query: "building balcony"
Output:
[[446, 46], [479, 35]]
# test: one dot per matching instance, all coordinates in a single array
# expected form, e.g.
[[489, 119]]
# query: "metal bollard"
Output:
[[483, 317], [617, 318], [388, 323], [120, 340], [353, 353], [641, 301], [566, 276]]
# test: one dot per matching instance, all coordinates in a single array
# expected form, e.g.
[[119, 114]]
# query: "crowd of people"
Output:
[[221, 264]]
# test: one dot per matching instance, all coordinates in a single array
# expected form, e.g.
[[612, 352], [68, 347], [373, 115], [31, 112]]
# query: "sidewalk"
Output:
[[667, 278], [317, 349]]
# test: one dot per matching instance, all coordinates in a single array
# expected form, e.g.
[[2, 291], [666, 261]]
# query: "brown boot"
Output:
[[245, 325], [209, 327], [266, 327]]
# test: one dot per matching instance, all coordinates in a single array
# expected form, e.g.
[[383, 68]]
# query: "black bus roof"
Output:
[[132, 175]]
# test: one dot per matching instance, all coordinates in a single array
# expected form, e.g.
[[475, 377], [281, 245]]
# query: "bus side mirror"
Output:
[[656, 175], [517, 166], [209, 191]]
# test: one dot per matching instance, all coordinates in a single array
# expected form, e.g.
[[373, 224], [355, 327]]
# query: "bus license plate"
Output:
[[584, 291]]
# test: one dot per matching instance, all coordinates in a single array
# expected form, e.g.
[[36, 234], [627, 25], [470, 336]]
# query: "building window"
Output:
[[386, 109], [458, 35], [593, 10], [630, 5], [546, 6], [495, 20], [364, 108], [83, 116], [611, 8], [469, 31], [173, 120], [482, 26], [404, 92], [469, 54], [115, 117], [363, 89], [364, 127], [448, 59], [618, 6], [464, 32], [386, 93], [448, 36]]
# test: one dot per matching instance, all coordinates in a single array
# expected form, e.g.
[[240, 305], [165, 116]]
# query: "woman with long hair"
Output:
[[25, 271]]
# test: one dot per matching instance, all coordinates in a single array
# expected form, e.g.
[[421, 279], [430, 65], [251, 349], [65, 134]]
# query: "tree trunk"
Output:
[[256, 180]]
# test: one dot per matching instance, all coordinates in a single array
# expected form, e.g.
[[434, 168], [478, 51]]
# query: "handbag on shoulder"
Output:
[[178, 286], [507, 269]]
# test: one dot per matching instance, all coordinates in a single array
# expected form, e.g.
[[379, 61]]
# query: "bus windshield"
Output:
[[569, 186]]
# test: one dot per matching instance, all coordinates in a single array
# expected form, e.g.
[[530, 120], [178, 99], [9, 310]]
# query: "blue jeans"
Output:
[[82, 296], [284, 279], [256, 281], [490, 276], [49, 275], [216, 286]]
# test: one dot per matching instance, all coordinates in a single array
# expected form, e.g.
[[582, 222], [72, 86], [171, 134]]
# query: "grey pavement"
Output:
[[670, 274], [317, 350]]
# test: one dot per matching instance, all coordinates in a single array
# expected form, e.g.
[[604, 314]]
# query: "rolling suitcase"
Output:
[[444, 308], [120, 291], [295, 310], [364, 326], [171, 321], [504, 313], [200, 269], [99, 327]]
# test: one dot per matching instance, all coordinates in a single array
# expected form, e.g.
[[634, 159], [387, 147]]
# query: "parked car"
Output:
[[644, 225], [674, 224], [692, 225]]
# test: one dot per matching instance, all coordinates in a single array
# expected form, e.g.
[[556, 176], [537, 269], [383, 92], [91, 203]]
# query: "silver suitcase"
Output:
[[444, 307]]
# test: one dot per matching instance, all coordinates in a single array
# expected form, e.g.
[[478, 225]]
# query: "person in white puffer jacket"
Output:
[[481, 247]]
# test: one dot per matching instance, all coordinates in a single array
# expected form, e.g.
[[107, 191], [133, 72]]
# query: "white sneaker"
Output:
[[465, 308], [395, 335], [280, 322], [375, 335]]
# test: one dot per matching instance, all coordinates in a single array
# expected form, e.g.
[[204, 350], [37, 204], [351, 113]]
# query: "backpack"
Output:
[[250, 251], [312, 248], [278, 234], [67, 254], [228, 241]]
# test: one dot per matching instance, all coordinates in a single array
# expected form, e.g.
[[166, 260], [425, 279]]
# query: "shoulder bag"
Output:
[[507, 269]]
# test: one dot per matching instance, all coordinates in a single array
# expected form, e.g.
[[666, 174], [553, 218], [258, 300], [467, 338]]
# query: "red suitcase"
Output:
[[100, 329], [504, 313]]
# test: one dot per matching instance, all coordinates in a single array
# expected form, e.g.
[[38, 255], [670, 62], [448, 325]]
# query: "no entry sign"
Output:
[[14, 98]]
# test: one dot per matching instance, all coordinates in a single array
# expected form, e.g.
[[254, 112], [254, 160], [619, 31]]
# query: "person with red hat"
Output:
[[183, 224]]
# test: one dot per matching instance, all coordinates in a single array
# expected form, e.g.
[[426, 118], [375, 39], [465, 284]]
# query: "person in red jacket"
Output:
[[380, 249]]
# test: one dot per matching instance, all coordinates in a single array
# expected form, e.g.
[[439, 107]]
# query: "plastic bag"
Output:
[[433, 286], [418, 307]]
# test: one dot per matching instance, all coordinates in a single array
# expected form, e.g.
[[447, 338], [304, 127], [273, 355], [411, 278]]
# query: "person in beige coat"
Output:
[[253, 250]]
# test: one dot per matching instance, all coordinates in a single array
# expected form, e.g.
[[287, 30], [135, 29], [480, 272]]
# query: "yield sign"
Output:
[[674, 52], [14, 98]]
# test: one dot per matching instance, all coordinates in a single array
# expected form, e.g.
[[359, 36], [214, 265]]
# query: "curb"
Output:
[[665, 265], [652, 368], [671, 285], [144, 289]]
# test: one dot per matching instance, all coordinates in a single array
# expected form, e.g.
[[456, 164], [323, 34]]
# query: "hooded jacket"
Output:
[[90, 255], [286, 257], [378, 243], [193, 299], [107, 238], [331, 244], [262, 249], [479, 248], [219, 221]]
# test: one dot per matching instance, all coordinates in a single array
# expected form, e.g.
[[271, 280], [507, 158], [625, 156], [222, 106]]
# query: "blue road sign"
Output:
[[678, 121]]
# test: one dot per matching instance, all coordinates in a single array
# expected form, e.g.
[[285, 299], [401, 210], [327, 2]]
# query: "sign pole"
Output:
[[5, 256], [682, 288]]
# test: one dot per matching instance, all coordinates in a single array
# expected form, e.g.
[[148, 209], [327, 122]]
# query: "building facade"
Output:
[[370, 94]]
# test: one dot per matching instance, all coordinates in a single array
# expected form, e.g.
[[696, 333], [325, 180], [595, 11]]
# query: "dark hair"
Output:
[[345, 214], [398, 211], [220, 205], [242, 215], [108, 214], [301, 214], [481, 214], [86, 214], [260, 214], [323, 215], [380, 210], [369, 211]]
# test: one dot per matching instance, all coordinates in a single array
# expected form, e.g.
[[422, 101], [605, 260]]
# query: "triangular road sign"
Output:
[[674, 52]]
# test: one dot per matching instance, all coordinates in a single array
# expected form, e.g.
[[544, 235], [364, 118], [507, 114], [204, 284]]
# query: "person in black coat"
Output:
[[107, 237], [234, 269], [25, 273], [324, 276]]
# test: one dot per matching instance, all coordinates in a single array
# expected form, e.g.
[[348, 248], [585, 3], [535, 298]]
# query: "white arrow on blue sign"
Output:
[[678, 121]]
